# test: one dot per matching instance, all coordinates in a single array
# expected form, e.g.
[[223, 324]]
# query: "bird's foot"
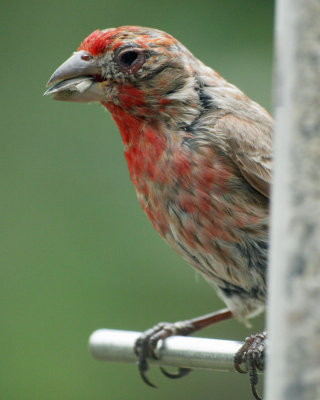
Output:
[[252, 354], [146, 344]]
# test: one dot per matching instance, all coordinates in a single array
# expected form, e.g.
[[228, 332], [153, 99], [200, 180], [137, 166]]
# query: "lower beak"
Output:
[[75, 80]]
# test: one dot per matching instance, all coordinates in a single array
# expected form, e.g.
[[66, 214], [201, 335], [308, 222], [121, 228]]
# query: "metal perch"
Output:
[[175, 351]]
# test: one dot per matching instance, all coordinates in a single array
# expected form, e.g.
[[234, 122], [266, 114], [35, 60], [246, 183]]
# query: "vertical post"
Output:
[[293, 365]]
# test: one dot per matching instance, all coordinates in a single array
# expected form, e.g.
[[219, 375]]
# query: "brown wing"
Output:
[[250, 147]]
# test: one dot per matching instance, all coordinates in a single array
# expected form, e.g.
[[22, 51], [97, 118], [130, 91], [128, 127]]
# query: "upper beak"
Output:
[[75, 80]]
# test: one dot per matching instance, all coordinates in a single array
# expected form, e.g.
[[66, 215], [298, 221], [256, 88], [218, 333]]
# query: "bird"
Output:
[[199, 154]]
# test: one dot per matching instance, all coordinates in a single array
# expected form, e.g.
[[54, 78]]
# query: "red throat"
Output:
[[154, 171], [144, 145]]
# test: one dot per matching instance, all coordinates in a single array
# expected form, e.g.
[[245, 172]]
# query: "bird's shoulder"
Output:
[[242, 130]]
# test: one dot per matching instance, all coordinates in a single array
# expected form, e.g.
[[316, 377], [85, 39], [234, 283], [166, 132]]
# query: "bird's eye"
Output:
[[86, 57], [130, 60]]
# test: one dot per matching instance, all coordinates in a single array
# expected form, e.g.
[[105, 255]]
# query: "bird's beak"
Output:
[[78, 79]]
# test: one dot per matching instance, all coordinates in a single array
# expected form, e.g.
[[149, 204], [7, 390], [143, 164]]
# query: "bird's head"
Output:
[[137, 69]]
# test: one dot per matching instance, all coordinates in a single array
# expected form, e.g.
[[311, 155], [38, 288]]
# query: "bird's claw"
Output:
[[146, 344], [143, 368], [180, 374], [252, 354]]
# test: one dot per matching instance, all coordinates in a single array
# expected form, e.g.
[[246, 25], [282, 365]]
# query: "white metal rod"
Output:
[[176, 351], [293, 367]]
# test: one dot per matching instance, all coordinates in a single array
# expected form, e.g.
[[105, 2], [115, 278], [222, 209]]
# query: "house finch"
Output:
[[199, 155]]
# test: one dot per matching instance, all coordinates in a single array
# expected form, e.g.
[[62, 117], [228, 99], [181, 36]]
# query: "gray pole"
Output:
[[177, 351], [293, 364]]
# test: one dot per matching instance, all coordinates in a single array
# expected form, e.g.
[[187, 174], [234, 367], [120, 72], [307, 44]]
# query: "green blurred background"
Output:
[[77, 253]]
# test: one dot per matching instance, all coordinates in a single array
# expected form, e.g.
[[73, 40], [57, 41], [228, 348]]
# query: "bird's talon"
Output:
[[254, 392], [146, 345], [240, 370], [252, 353], [145, 379], [143, 368], [152, 353], [180, 374]]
